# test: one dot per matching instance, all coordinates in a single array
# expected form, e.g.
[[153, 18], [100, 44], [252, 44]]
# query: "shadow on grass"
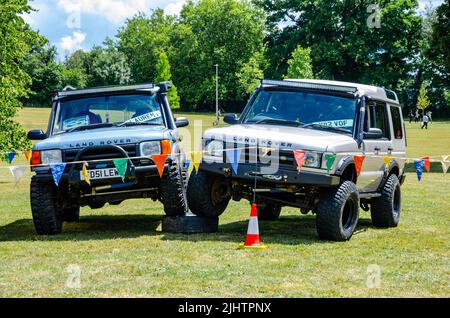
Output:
[[98, 227], [289, 230]]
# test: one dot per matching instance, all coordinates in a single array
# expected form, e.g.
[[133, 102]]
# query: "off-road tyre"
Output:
[[46, 211], [338, 212], [201, 195], [72, 213], [269, 211], [385, 210], [173, 191]]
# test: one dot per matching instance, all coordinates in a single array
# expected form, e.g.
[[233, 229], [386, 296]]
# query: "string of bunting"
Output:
[[195, 157]]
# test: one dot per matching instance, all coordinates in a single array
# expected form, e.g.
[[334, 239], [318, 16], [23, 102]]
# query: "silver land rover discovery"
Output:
[[336, 126]]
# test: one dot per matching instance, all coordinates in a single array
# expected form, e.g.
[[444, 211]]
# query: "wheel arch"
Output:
[[346, 169]]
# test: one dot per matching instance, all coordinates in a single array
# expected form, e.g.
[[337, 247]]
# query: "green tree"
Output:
[[16, 40], [46, 74], [299, 66], [423, 102], [249, 76], [229, 33], [107, 66], [439, 47], [163, 74], [141, 38], [75, 77], [344, 46]]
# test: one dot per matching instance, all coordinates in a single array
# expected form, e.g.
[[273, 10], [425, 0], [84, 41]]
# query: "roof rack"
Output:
[[106, 89], [307, 85]]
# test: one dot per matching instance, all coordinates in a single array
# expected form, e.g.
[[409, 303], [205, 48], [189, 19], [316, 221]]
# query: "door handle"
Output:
[[377, 149]]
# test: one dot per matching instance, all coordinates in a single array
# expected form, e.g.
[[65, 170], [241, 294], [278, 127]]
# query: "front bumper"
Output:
[[132, 173], [286, 176]]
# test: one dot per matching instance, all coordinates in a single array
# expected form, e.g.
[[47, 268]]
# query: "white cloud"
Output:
[[72, 42], [115, 11], [174, 8]]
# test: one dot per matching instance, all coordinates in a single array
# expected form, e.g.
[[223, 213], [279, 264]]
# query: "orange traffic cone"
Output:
[[253, 240]]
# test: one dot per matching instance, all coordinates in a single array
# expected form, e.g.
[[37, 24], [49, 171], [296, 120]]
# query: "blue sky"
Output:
[[75, 24]]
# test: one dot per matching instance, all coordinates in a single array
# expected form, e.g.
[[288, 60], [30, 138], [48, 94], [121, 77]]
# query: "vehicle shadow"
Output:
[[289, 230], [90, 227]]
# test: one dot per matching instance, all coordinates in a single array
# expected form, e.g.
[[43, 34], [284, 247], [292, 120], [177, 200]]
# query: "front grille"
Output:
[[99, 154], [285, 157]]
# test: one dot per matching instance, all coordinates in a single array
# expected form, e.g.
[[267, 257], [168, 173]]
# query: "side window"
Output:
[[397, 122], [378, 118]]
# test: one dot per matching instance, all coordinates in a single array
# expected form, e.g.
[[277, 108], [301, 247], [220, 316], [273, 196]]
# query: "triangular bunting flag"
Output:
[[358, 163], [27, 155], [329, 159], [197, 157], [444, 164], [121, 166], [419, 165], [387, 162], [57, 172], [86, 173], [160, 161], [233, 156], [10, 156], [299, 156], [18, 172], [426, 162], [187, 164]]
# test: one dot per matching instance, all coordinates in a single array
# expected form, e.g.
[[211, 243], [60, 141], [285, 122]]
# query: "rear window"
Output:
[[397, 122]]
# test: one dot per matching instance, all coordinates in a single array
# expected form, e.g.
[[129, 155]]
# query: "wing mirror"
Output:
[[37, 134], [373, 133], [181, 122], [231, 119]]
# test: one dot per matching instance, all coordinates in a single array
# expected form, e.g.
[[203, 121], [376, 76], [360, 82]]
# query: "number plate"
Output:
[[96, 174]]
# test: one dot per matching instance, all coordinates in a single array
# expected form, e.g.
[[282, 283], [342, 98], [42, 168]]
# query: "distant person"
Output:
[[425, 121], [429, 116], [416, 118], [410, 116]]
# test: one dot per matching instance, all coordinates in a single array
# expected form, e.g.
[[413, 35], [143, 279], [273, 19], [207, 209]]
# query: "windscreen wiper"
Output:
[[279, 121], [325, 127], [88, 127]]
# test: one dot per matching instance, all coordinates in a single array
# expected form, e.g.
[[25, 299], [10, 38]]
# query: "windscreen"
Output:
[[304, 108], [116, 109]]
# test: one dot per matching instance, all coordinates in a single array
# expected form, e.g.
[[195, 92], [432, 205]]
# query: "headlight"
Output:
[[313, 159], [214, 148], [149, 148], [51, 156]]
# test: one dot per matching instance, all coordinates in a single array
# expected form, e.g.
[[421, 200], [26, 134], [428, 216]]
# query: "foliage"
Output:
[[249, 76], [423, 102], [75, 77], [108, 66], [300, 64], [46, 73], [16, 40], [228, 33], [141, 38], [343, 46], [440, 37], [163, 74]]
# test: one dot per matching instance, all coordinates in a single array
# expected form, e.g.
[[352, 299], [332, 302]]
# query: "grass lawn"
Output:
[[121, 251]]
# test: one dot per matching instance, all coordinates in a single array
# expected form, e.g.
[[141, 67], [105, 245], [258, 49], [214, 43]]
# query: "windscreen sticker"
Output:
[[146, 117], [75, 122], [338, 123]]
